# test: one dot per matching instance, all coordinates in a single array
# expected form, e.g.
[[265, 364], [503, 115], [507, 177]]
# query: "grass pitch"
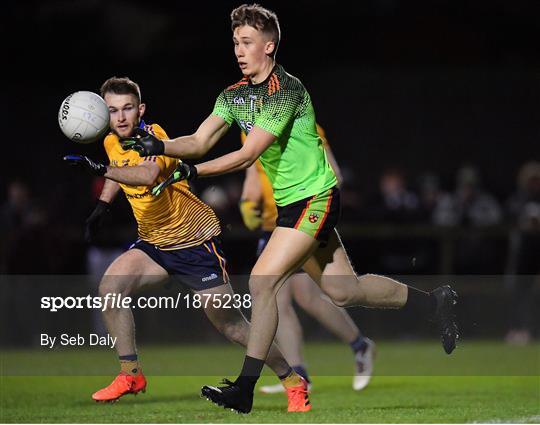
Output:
[[414, 383]]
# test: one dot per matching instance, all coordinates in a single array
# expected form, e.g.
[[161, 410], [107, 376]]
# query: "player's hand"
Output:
[[144, 143], [95, 221], [251, 214], [94, 168], [183, 171]]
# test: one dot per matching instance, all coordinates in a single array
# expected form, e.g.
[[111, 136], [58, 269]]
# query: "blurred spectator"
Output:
[[523, 264], [25, 249], [23, 232], [470, 205], [430, 195], [394, 202]]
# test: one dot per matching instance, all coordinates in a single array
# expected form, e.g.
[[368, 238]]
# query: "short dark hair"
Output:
[[259, 18], [121, 85]]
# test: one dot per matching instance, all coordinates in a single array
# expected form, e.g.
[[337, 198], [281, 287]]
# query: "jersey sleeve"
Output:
[[222, 109], [278, 111]]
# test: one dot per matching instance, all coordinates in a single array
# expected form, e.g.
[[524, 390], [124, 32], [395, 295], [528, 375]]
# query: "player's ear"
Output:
[[142, 109], [269, 48]]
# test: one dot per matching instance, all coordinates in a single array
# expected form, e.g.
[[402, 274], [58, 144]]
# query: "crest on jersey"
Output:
[[313, 217]]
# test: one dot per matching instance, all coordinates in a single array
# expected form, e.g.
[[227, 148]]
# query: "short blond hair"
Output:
[[258, 17]]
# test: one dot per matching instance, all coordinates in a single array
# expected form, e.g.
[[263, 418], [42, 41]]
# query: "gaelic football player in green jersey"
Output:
[[275, 111]]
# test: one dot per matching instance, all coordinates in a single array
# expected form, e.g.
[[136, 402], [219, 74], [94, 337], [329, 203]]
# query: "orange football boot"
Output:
[[122, 384], [298, 398]]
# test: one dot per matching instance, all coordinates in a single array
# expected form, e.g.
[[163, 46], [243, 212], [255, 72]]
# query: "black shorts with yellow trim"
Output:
[[199, 267], [317, 215]]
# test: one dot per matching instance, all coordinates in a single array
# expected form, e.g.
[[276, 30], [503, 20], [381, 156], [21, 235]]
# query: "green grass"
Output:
[[477, 386]]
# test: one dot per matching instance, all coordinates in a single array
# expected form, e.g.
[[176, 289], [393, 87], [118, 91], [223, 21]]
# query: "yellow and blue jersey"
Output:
[[175, 219]]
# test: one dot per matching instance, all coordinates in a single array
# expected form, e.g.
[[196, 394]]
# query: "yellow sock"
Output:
[[131, 367], [292, 380]]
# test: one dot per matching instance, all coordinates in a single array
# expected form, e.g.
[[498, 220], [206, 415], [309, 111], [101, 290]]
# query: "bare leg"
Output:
[[233, 324], [129, 273], [310, 297], [332, 270], [273, 267], [289, 336]]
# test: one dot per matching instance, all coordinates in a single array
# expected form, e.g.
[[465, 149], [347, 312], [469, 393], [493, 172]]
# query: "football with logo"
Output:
[[84, 117]]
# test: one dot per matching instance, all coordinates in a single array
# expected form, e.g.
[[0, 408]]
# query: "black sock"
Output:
[[420, 301], [251, 371]]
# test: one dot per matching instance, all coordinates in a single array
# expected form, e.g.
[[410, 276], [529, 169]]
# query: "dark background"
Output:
[[419, 86], [422, 85]]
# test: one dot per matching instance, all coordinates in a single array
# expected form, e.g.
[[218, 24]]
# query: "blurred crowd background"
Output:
[[431, 108]]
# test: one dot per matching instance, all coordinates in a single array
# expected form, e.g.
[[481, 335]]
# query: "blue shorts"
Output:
[[199, 267], [263, 240]]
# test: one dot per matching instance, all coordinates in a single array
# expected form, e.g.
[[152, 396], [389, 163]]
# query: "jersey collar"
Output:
[[262, 83]]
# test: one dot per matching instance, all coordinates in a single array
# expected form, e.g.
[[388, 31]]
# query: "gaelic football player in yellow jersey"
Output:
[[178, 235], [259, 213], [275, 109]]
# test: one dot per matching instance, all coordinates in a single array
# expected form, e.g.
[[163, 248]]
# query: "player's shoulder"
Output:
[[156, 130], [238, 85], [110, 140], [283, 80]]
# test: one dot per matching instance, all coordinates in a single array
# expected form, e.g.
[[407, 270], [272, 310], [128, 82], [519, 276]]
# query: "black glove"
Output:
[[182, 171], [95, 221], [144, 143], [94, 168]]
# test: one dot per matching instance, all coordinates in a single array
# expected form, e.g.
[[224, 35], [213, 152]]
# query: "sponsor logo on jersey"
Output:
[[252, 99], [145, 194], [246, 125]]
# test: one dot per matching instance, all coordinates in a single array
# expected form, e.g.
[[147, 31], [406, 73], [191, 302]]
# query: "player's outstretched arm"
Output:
[[144, 174], [256, 143], [95, 221], [193, 146]]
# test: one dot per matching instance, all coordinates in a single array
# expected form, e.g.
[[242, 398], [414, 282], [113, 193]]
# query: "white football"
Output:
[[84, 117]]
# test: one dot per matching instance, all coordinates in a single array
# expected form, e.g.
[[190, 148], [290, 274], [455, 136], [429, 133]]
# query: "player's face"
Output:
[[252, 48], [125, 113]]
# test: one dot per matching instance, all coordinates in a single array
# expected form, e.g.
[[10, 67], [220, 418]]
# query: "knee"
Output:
[[263, 287], [339, 296], [116, 285], [341, 300]]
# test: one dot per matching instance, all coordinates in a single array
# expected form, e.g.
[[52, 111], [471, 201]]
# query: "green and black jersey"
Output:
[[295, 162]]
